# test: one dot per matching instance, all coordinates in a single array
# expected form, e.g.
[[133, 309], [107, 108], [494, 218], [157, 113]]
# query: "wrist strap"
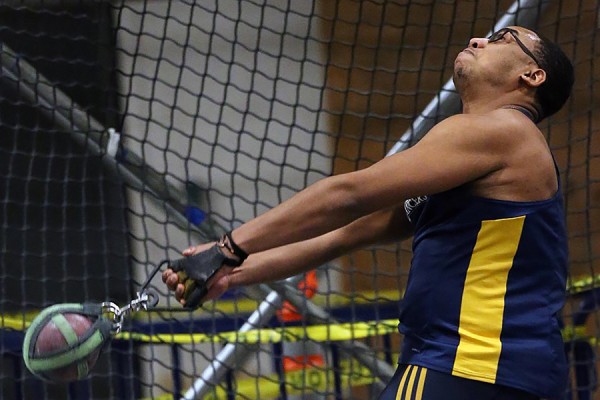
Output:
[[234, 248]]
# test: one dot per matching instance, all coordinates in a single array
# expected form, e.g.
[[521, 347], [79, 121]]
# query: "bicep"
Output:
[[447, 157]]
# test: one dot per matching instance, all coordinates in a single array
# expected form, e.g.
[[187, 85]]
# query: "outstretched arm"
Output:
[[458, 150], [292, 259]]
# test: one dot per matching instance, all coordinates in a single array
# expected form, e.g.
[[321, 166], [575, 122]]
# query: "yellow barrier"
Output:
[[21, 321], [333, 332], [316, 379], [318, 333]]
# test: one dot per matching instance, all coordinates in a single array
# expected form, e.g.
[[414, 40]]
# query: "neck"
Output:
[[482, 96], [476, 100], [484, 102], [528, 113]]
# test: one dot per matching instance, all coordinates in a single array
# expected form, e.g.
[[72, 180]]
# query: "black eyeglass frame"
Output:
[[494, 37]]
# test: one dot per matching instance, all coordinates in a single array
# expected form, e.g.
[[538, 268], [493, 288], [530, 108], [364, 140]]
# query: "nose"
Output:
[[478, 43]]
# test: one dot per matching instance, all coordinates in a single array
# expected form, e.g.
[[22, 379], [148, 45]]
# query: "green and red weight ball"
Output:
[[64, 341]]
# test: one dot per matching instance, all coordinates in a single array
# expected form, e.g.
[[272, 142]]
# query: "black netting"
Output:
[[224, 110]]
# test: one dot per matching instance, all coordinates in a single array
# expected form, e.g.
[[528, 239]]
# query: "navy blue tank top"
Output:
[[486, 286]]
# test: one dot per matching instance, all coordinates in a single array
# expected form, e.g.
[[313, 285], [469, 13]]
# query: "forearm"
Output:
[[282, 262], [288, 260], [292, 259], [323, 207]]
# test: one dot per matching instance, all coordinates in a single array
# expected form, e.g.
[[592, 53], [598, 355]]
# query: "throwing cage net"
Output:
[[132, 129]]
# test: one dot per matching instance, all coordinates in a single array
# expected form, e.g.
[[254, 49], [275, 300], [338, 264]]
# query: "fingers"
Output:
[[170, 278], [179, 283], [183, 287], [183, 291], [176, 281], [180, 293], [190, 251]]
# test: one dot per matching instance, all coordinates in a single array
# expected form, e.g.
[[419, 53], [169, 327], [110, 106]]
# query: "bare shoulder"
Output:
[[505, 148], [514, 144], [499, 128], [486, 151]]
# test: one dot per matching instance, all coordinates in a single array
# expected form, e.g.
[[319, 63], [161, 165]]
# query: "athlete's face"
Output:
[[505, 55]]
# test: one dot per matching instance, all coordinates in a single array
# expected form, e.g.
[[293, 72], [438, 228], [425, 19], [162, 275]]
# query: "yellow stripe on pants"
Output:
[[421, 384], [405, 389]]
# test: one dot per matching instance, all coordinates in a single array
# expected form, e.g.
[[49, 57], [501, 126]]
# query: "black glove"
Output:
[[194, 271]]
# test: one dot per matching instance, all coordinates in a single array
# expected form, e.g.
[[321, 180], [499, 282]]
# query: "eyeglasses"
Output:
[[498, 35]]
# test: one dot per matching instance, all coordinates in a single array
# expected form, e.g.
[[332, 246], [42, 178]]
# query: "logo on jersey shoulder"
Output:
[[411, 204]]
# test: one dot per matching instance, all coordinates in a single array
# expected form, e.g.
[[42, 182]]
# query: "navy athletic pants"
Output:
[[411, 382]]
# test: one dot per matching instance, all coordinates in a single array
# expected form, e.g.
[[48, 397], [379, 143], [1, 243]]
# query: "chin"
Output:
[[459, 74], [459, 78], [459, 66]]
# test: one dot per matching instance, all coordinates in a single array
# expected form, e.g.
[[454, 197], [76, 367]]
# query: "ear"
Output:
[[534, 78]]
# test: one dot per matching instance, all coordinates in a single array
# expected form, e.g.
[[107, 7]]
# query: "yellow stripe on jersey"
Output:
[[482, 305]]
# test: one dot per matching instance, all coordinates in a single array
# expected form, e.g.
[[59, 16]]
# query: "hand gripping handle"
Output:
[[194, 271]]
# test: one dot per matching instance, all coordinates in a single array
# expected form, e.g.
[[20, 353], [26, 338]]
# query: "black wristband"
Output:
[[235, 249]]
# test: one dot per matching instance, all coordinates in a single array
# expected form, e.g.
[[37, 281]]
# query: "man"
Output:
[[481, 194]]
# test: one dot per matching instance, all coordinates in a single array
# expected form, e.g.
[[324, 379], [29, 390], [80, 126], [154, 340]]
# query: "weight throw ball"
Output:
[[64, 341]]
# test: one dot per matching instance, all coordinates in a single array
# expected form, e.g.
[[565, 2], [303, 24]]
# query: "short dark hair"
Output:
[[554, 92]]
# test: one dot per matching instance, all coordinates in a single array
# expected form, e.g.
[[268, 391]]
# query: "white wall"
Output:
[[202, 82], [226, 94]]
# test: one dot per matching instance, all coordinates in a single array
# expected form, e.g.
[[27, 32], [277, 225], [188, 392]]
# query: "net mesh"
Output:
[[224, 110]]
